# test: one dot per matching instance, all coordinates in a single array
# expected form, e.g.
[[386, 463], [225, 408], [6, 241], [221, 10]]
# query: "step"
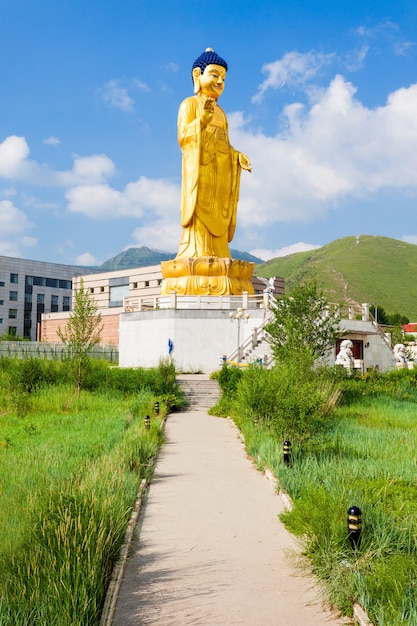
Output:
[[200, 390]]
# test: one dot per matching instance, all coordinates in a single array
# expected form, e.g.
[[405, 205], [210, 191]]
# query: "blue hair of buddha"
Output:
[[208, 57]]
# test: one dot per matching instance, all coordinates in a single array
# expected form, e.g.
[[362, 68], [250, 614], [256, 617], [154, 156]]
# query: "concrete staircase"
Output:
[[259, 350], [201, 392]]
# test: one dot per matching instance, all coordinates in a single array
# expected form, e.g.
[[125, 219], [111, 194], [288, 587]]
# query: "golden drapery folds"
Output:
[[211, 170], [210, 181]]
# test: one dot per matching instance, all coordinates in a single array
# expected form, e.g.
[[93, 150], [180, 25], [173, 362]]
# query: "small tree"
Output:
[[304, 327], [82, 332]]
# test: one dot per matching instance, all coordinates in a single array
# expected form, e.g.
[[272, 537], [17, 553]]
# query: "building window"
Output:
[[117, 293], [1, 283], [1, 320], [160, 281], [146, 283], [40, 298], [54, 304], [14, 278], [135, 285], [13, 295], [1, 301], [12, 331], [102, 289], [91, 289], [66, 303], [12, 314]]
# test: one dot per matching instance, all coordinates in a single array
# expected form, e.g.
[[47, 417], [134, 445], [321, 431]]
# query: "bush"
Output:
[[289, 400], [229, 378]]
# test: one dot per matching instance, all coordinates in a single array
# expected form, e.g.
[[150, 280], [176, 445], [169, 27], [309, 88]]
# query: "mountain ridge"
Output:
[[355, 269], [144, 256]]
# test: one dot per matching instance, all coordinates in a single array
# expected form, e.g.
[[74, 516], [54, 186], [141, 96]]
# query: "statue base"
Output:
[[206, 276]]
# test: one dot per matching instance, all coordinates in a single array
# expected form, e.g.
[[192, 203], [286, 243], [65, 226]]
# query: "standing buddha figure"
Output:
[[211, 170], [210, 165]]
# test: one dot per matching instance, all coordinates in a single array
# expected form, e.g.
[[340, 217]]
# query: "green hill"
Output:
[[143, 257], [376, 270]]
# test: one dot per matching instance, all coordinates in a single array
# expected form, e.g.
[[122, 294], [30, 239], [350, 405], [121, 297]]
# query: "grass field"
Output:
[[368, 460], [70, 471]]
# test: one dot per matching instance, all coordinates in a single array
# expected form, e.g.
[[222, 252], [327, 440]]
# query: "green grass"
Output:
[[376, 270], [70, 472], [368, 460]]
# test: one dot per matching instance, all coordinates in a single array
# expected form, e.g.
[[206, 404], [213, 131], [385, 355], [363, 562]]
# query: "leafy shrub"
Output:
[[229, 378], [293, 402]]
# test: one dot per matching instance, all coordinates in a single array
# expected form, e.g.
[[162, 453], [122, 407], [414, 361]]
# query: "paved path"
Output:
[[211, 549]]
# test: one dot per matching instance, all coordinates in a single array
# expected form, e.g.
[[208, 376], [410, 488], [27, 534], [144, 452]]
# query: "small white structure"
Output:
[[400, 356], [345, 355]]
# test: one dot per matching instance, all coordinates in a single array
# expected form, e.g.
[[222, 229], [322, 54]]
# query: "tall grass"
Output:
[[367, 458], [70, 473]]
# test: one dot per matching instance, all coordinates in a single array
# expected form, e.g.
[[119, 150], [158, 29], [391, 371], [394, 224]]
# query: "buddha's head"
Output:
[[209, 74]]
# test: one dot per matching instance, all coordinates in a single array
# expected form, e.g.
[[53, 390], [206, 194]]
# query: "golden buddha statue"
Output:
[[211, 170]]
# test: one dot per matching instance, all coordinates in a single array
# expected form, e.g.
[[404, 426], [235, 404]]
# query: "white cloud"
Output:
[[52, 141], [140, 85], [13, 227], [354, 59], [294, 68], [334, 149], [390, 32], [410, 239], [160, 197], [14, 152], [86, 259], [160, 235], [266, 254], [116, 96], [172, 67]]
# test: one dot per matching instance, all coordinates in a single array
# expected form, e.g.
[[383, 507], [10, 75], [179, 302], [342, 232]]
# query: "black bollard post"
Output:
[[287, 452], [147, 422], [354, 526], [156, 408]]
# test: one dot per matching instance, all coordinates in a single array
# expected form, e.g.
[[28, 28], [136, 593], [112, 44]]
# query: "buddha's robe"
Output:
[[210, 182]]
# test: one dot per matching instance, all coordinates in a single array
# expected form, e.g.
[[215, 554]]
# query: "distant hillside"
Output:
[[376, 270], [135, 257], [142, 257]]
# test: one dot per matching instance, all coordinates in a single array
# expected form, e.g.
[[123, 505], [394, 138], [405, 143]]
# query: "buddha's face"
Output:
[[212, 81]]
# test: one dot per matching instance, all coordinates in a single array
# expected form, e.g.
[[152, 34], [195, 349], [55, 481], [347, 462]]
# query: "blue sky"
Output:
[[321, 95]]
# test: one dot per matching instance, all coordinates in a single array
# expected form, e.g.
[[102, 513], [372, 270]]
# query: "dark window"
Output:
[[40, 298], [14, 278], [13, 295], [39, 281], [66, 303], [12, 331], [12, 314], [1, 283], [54, 304], [102, 289], [1, 301], [146, 283], [52, 282], [65, 284]]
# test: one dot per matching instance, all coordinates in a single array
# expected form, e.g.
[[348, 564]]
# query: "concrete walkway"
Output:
[[210, 548]]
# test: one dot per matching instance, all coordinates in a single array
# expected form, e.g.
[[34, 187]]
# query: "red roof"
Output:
[[410, 328]]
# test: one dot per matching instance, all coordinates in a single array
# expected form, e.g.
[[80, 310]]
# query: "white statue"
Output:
[[345, 355], [400, 355]]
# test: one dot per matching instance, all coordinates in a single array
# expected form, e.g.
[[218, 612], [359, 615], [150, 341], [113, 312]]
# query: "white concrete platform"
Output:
[[199, 337]]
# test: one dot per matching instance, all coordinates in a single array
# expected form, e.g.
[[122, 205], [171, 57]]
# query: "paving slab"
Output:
[[209, 547]]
